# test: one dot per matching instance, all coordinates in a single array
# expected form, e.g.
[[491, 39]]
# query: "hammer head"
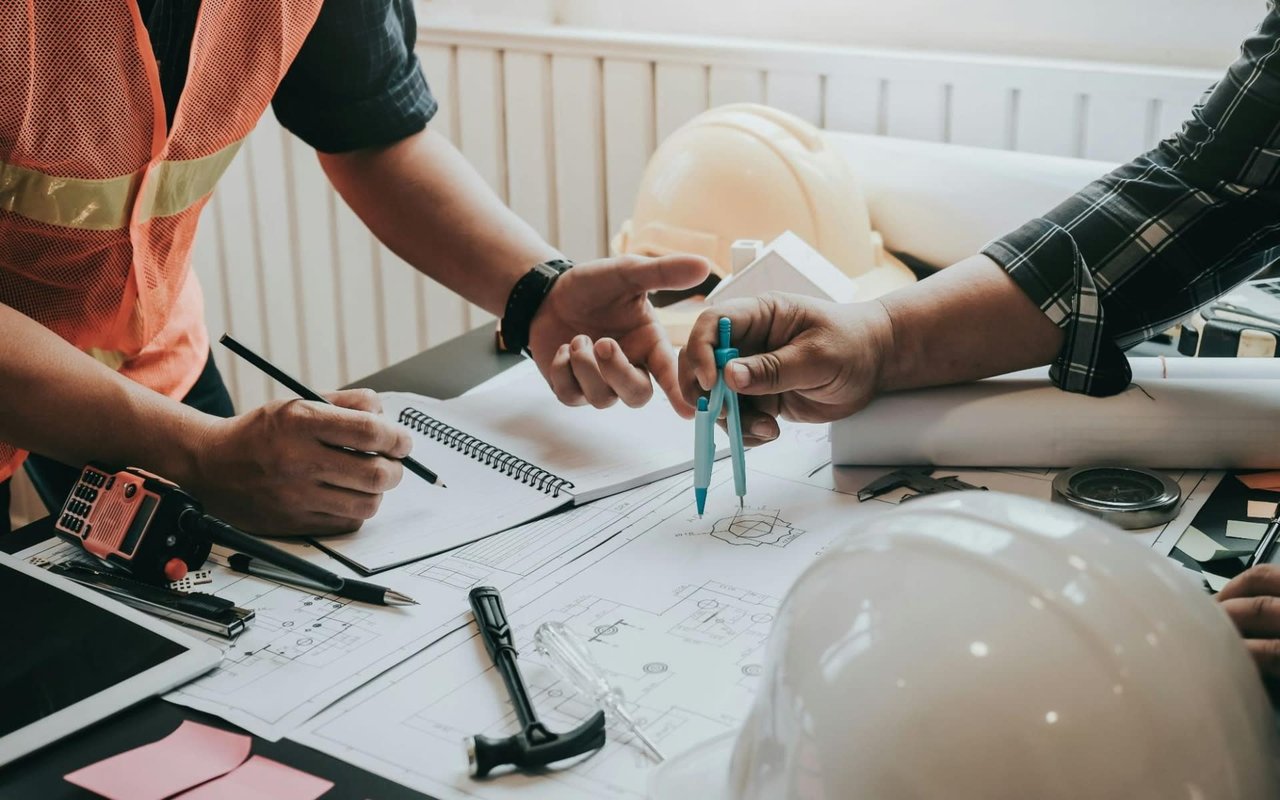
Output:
[[534, 747]]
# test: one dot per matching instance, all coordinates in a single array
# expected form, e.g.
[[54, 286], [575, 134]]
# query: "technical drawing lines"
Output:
[[448, 574], [755, 528]]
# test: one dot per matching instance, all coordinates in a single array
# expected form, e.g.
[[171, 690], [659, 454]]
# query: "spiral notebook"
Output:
[[509, 455]]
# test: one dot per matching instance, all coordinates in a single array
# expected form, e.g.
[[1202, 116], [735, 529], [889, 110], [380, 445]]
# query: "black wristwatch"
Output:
[[523, 302]]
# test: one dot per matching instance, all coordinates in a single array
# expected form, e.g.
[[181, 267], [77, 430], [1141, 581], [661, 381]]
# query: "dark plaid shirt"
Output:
[[1137, 250], [355, 83]]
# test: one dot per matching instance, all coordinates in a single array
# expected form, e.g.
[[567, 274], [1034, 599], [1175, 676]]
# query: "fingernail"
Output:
[[740, 374], [762, 428], [580, 342]]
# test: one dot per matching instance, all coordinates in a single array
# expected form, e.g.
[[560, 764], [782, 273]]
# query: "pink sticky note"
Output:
[[192, 754], [1261, 480], [261, 779]]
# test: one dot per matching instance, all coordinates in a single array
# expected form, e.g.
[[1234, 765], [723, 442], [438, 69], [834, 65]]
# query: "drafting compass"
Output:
[[1128, 497], [704, 422]]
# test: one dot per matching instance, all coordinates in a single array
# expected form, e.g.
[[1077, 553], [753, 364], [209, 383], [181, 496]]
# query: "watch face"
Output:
[[1117, 486]]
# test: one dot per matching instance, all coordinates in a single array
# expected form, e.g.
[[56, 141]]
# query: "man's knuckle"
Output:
[[1260, 577], [385, 473], [395, 473], [1261, 607], [368, 428], [769, 368], [639, 397], [365, 507], [404, 444], [296, 411], [1267, 654]]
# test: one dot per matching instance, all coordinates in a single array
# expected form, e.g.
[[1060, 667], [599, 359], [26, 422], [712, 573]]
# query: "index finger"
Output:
[[361, 430], [661, 363]]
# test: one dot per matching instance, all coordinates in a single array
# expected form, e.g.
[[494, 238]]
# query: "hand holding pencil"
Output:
[[291, 468], [305, 393]]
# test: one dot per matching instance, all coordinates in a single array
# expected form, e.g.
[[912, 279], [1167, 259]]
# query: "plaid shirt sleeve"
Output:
[[356, 82], [1140, 248]]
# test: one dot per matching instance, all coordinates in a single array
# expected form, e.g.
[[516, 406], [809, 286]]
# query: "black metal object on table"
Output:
[[533, 747], [919, 480]]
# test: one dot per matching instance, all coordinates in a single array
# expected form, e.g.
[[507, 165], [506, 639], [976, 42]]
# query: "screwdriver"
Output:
[[570, 658]]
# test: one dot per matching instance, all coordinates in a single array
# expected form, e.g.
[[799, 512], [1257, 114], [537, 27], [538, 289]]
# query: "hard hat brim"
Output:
[[700, 772]]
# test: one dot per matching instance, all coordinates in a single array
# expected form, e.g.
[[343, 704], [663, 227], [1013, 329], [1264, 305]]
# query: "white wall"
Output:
[[1199, 33]]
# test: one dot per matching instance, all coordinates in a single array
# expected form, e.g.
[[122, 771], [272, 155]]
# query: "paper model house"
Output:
[[787, 264]]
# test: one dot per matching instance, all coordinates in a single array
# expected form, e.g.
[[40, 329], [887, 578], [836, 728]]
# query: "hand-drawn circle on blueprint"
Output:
[[655, 668], [304, 641], [752, 670], [762, 618], [315, 624], [606, 630], [288, 623], [554, 693], [708, 603]]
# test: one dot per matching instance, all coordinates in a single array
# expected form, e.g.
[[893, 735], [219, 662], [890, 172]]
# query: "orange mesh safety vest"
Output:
[[98, 202]]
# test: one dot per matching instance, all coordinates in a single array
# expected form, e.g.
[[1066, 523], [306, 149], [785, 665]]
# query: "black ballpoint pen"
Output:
[[351, 588], [1263, 554], [305, 393]]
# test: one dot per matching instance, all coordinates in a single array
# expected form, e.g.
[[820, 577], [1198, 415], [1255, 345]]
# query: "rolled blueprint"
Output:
[[1178, 413]]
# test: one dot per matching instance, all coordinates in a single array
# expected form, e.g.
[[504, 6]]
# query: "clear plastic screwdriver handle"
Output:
[[568, 654], [571, 659]]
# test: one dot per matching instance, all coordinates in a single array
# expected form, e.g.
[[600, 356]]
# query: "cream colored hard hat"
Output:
[[747, 171], [979, 646]]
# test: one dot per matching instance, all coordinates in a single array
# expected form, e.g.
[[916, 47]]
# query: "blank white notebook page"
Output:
[[602, 451]]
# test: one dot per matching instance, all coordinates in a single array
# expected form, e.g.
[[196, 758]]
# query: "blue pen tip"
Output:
[[700, 495], [702, 404], [725, 329]]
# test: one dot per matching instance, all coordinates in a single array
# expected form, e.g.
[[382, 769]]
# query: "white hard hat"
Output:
[[747, 171], [980, 646]]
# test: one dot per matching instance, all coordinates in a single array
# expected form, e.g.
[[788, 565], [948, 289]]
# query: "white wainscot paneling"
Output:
[[561, 122]]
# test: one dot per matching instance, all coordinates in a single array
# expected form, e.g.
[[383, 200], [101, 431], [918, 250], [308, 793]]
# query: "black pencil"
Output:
[[302, 391]]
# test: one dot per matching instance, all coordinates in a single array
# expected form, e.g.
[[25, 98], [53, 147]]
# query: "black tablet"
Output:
[[70, 656]]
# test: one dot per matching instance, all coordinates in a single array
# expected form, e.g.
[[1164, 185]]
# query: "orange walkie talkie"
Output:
[[133, 520], [152, 529]]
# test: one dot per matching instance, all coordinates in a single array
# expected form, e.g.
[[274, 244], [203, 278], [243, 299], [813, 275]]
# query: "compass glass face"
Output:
[[1116, 486]]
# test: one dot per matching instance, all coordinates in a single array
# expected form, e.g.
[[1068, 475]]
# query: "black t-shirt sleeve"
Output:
[[356, 82]]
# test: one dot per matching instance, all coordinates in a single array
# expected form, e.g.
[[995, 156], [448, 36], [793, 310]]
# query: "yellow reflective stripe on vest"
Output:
[[113, 359], [99, 205], [104, 205], [175, 186]]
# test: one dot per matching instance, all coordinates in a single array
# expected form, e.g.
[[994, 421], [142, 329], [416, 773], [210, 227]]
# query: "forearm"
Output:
[[59, 402], [423, 200], [969, 321]]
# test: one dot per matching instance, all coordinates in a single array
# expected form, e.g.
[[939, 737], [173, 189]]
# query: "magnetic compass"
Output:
[[1128, 497]]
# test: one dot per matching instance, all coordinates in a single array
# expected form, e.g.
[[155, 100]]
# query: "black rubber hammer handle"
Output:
[[491, 619]]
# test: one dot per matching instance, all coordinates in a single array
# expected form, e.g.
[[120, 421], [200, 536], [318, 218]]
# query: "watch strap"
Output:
[[524, 301]]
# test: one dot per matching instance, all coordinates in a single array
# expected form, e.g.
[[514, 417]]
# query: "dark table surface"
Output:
[[444, 371]]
